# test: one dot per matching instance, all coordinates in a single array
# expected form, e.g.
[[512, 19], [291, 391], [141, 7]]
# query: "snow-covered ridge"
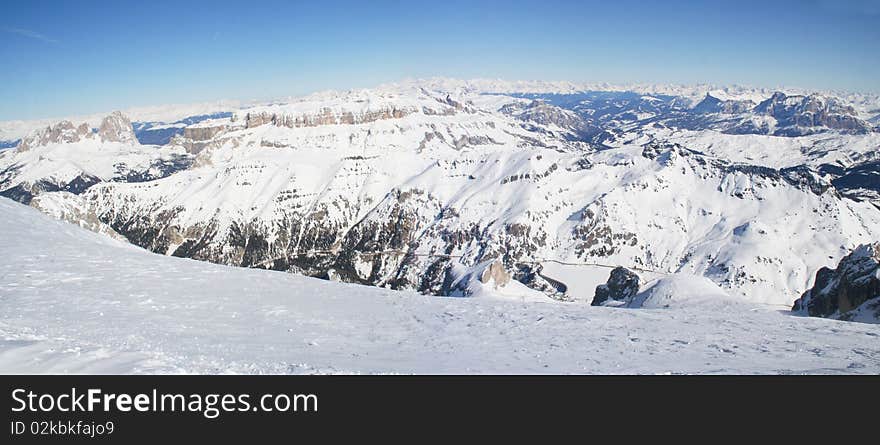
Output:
[[353, 107], [867, 105]]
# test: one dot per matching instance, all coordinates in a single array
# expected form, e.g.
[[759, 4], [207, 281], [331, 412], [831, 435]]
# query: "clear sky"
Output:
[[75, 57]]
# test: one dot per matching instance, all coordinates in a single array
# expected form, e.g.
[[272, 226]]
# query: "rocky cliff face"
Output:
[[545, 117], [69, 207], [360, 108], [325, 117], [857, 182], [62, 132], [117, 128], [203, 133], [195, 139], [849, 292], [798, 114], [622, 286]]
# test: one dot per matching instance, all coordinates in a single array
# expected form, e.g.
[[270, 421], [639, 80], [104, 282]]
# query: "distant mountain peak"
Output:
[[61, 132], [812, 110], [116, 127], [712, 104]]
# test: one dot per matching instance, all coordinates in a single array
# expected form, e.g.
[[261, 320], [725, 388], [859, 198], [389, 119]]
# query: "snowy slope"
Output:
[[75, 301]]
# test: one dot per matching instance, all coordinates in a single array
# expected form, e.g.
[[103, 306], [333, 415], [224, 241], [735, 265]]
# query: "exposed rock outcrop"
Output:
[[203, 133], [849, 292], [495, 273], [26, 191], [72, 208], [117, 128], [62, 132], [325, 117], [111, 153], [857, 182], [622, 286], [196, 139], [794, 114]]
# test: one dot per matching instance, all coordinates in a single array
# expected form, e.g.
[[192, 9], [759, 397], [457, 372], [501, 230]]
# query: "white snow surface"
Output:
[[683, 290], [72, 301]]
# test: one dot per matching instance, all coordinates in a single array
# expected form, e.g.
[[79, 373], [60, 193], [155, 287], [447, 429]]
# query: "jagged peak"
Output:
[[116, 127], [708, 101], [61, 132]]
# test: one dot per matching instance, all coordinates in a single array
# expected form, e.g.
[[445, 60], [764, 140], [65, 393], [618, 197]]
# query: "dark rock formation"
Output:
[[857, 182], [25, 192], [852, 287], [622, 285]]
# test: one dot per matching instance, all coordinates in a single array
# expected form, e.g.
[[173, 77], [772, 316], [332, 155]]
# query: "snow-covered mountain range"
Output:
[[532, 190]]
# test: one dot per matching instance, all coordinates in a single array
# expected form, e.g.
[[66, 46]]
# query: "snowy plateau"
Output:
[[447, 226]]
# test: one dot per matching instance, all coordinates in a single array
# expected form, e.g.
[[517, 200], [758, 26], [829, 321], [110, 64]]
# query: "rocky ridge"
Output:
[[851, 291]]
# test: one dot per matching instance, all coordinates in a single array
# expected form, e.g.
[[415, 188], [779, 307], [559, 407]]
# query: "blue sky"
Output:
[[76, 57]]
